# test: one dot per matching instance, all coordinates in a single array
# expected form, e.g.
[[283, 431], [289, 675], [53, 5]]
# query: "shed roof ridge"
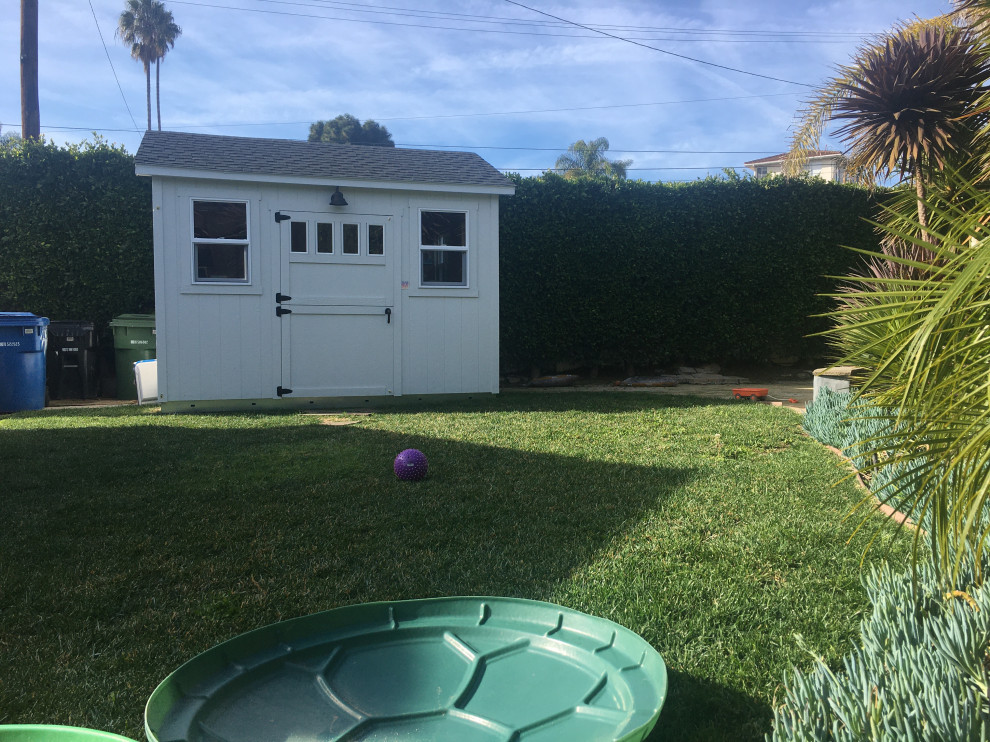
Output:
[[300, 158]]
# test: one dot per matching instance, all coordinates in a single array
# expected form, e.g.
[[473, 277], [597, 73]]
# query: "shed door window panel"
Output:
[[324, 238], [297, 237], [376, 239], [220, 241], [443, 248], [350, 243], [360, 243]]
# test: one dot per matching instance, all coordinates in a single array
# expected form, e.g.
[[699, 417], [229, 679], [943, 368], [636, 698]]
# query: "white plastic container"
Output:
[[146, 380]]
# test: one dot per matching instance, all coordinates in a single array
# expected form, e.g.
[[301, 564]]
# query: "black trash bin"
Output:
[[72, 360]]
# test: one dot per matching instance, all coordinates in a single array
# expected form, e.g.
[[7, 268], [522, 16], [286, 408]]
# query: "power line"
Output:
[[497, 146], [628, 169], [662, 51], [806, 36], [224, 125], [594, 34], [583, 108], [475, 18], [107, 52], [611, 151]]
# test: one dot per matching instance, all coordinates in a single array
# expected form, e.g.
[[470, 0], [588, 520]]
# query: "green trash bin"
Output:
[[133, 340]]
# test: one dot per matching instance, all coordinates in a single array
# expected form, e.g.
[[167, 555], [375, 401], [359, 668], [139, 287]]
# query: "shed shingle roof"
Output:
[[295, 158]]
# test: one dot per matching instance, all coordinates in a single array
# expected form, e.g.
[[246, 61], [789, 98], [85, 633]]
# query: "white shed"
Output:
[[295, 273]]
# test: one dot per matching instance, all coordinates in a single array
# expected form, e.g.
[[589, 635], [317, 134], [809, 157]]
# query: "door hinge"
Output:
[[280, 310], [282, 391], [280, 217], [280, 297]]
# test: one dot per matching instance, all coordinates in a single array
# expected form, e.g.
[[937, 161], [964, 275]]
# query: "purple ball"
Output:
[[410, 465]]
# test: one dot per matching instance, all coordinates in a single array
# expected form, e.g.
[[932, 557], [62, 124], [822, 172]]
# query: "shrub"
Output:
[[826, 419], [75, 231], [918, 672]]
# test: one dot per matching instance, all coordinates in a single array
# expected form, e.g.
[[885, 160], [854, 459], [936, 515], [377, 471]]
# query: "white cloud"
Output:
[[238, 66]]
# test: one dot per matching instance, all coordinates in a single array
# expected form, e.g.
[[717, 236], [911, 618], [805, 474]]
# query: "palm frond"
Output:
[[925, 343]]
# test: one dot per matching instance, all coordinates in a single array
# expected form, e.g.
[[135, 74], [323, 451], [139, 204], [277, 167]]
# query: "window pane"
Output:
[[219, 220], [376, 239], [297, 242], [443, 228], [221, 262], [444, 266], [350, 239], [324, 237]]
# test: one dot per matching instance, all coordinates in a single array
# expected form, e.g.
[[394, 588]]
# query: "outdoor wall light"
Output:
[[337, 198]]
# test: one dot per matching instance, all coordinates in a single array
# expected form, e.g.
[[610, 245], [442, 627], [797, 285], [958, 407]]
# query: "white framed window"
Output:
[[221, 241], [443, 248], [314, 238], [761, 171]]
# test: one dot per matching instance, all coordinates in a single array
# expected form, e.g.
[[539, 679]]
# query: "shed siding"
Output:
[[223, 342], [450, 336]]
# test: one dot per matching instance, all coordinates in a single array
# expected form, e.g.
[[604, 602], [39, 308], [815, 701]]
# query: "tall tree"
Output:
[[151, 31], [30, 110], [165, 33], [348, 129], [588, 159]]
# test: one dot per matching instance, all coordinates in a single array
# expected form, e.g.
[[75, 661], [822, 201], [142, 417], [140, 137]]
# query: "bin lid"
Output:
[[133, 320], [22, 319], [84, 325]]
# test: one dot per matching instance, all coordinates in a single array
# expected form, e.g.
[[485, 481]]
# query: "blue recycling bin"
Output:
[[23, 340]]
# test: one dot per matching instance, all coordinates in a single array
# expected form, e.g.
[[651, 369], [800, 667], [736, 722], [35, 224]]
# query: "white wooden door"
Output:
[[335, 299]]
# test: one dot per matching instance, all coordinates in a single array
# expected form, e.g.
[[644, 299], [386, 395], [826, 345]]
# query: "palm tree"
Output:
[[165, 32], [925, 345], [134, 28], [588, 158], [151, 31]]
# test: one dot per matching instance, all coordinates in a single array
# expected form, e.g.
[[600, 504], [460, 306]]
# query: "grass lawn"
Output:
[[132, 541]]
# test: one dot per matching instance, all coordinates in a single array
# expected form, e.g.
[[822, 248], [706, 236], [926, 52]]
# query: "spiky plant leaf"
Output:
[[926, 344]]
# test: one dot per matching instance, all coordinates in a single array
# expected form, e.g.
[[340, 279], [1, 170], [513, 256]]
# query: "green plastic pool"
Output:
[[54, 733], [443, 670]]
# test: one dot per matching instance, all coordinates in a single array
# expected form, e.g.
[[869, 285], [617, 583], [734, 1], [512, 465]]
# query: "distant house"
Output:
[[823, 163]]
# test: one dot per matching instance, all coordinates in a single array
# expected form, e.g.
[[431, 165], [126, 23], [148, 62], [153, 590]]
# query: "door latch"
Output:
[[388, 315]]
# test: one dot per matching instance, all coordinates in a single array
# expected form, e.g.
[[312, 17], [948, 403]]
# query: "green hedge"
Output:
[[598, 273], [75, 232], [645, 274]]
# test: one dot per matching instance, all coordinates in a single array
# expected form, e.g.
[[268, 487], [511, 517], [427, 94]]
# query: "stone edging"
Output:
[[895, 515]]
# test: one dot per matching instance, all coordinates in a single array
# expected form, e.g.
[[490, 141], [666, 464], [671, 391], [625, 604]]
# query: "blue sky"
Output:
[[488, 75]]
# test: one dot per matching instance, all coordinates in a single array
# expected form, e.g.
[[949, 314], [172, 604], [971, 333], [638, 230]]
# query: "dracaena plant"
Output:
[[908, 104]]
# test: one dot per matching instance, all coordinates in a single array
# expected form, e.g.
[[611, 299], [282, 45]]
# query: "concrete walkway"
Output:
[[780, 392]]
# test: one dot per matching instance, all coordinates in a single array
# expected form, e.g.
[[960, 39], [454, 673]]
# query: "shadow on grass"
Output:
[[507, 401], [700, 711], [129, 550]]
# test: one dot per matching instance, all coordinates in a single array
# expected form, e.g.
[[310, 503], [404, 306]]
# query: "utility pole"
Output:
[[30, 110]]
